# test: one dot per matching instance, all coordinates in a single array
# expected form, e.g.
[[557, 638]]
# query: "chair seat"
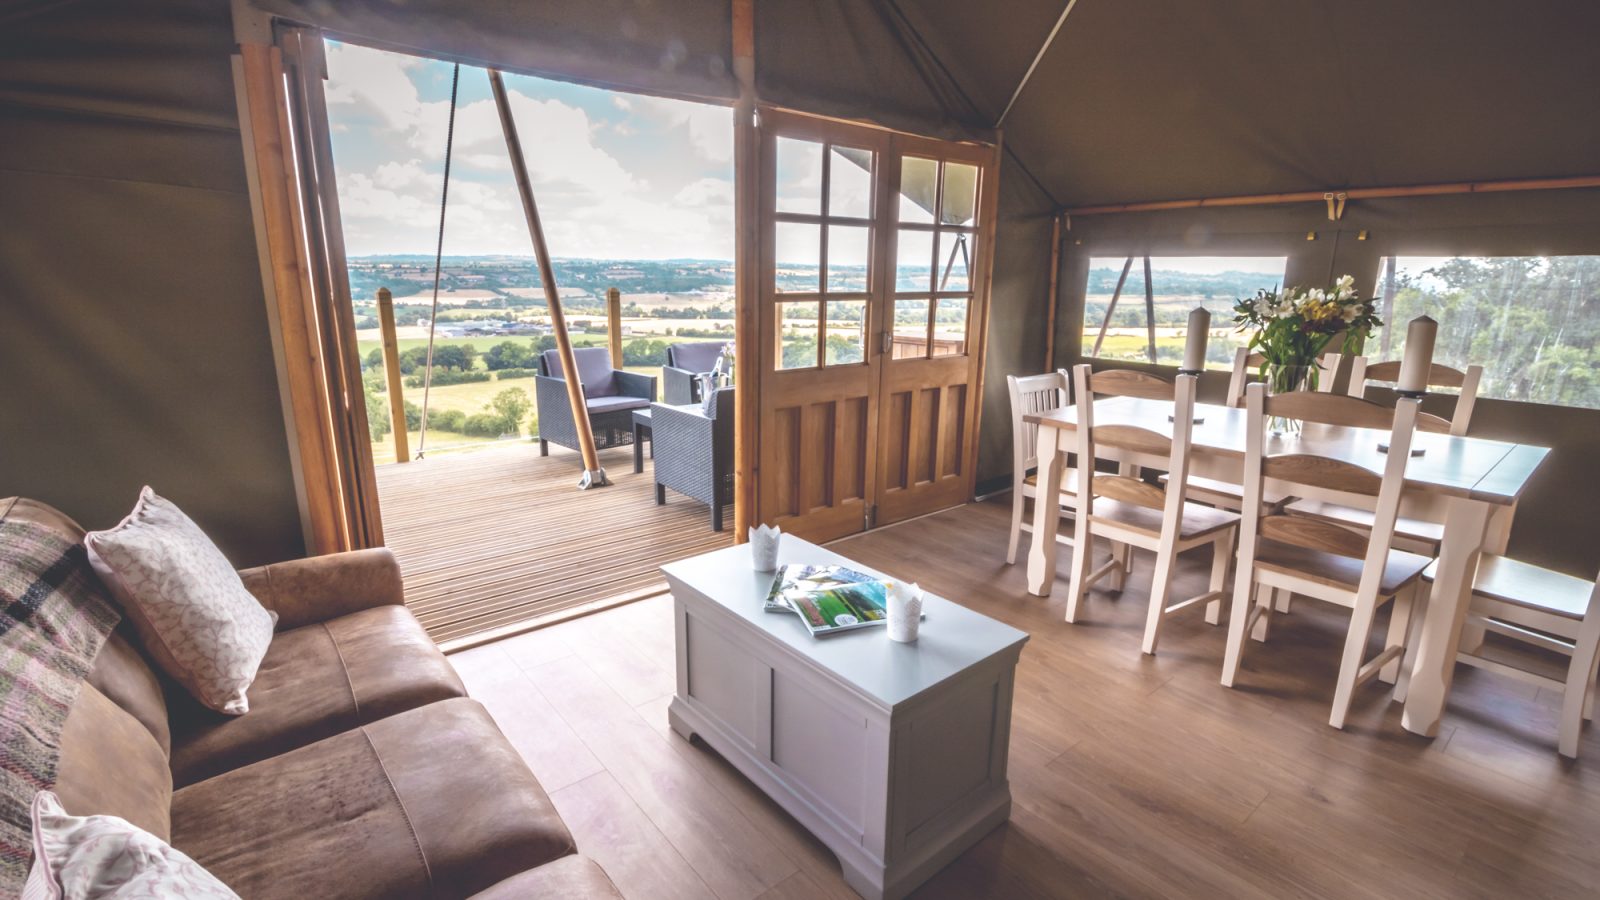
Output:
[[1520, 584], [1399, 570], [1198, 520], [1418, 530], [615, 404], [1069, 481]]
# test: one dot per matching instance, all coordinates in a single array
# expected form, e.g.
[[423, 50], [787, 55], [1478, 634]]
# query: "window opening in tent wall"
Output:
[[1118, 304], [823, 229], [935, 249], [1532, 322], [635, 193]]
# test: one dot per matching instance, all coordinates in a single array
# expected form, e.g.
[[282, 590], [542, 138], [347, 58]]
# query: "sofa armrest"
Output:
[[634, 384], [319, 588], [678, 385], [571, 876]]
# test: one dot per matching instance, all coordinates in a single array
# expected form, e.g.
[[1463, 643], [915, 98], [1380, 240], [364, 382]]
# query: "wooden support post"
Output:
[[391, 369], [593, 475], [1111, 307], [1150, 309], [614, 325], [746, 253], [1053, 299]]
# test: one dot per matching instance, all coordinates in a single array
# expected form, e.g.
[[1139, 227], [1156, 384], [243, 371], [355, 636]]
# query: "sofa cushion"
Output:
[[615, 404], [695, 356], [433, 802], [568, 877], [192, 613], [594, 370], [315, 682], [110, 765]]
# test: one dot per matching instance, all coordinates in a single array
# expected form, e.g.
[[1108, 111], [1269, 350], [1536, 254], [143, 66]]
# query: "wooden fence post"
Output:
[[391, 369], [614, 325]]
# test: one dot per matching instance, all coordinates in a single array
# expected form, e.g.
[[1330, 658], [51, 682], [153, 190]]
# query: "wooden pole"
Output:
[[746, 255], [1052, 299], [1424, 190], [593, 475], [614, 325], [391, 369], [1150, 309]]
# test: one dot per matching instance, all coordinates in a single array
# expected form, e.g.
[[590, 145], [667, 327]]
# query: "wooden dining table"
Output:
[[1469, 485]]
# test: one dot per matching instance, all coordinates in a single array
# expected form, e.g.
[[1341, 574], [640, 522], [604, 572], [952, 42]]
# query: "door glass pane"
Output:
[[919, 189], [848, 249], [847, 332], [798, 257], [850, 182], [913, 260], [799, 176], [960, 194], [950, 327], [797, 335], [955, 260], [910, 328]]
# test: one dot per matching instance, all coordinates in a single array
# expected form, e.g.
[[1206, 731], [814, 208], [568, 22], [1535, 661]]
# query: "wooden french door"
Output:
[[870, 348]]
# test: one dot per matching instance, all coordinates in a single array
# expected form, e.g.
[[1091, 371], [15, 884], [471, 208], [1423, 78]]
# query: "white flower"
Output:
[[1351, 311]]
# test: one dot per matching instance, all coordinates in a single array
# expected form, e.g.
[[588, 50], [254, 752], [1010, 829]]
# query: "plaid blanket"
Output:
[[54, 618]]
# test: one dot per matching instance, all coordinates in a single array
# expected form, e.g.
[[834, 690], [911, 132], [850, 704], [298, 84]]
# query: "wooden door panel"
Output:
[[924, 436]]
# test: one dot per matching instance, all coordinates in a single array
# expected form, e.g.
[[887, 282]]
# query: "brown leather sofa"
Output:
[[361, 770]]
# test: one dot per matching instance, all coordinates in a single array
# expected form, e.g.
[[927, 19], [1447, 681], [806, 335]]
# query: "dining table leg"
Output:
[[1046, 513], [1435, 654]]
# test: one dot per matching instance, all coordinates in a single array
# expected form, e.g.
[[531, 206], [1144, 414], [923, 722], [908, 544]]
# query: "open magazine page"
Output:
[[828, 599]]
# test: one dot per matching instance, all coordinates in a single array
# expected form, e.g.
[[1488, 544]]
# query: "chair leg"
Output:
[[1160, 587], [1266, 598], [1355, 650], [1123, 554], [1082, 555], [1243, 581], [661, 494], [1285, 598], [544, 447], [1576, 699], [1399, 629], [1590, 691], [1221, 555], [716, 515], [1419, 614], [1018, 501]]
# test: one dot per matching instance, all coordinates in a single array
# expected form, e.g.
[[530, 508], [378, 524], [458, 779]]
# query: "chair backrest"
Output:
[[1364, 371], [1172, 443], [1246, 363], [1032, 394], [594, 369], [1354, 484], [695, 356]]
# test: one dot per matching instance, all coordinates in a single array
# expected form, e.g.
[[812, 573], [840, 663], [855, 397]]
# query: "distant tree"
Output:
[[509, 355], [460, 357], [378, 423], [510, 406], [644, 352]]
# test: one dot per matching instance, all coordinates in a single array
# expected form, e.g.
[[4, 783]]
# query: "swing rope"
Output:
[[438, 258]]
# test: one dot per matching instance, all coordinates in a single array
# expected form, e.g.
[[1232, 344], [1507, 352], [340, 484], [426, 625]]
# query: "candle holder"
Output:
[[1383, 447]]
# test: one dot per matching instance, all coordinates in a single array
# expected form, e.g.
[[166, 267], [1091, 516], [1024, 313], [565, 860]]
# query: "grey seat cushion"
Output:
[[594, 369], [698, 356], [615, 404]]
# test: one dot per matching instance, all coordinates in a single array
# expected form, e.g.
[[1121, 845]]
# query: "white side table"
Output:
[[893, 755]]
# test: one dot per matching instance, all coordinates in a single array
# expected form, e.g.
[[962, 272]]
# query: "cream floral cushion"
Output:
[[191, 610], [83, 857]]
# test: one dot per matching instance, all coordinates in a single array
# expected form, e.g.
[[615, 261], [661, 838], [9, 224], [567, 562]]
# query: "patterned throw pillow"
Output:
[[104, 856], [191, 610]]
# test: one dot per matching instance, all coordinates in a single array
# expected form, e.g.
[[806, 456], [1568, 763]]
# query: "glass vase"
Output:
[[1284, 379]]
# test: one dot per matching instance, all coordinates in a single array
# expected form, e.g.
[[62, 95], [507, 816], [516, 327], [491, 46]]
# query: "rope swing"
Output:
[[438, 258]]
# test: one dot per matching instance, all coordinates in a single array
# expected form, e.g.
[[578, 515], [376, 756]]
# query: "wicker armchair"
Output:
[[680, 377], [694, 452], [610, 394]]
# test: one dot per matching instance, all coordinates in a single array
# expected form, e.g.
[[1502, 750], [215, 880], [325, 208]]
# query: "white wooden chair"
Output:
[[1321, 559], [1033, 394], [1549, 610], [1415, 535], [1134, 513], [1226, 494], [1364, 372]]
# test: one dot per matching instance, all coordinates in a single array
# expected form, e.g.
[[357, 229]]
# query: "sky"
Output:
[[615, 176]]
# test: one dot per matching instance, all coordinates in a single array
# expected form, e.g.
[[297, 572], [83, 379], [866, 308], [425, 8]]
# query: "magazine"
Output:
[[828, 599]]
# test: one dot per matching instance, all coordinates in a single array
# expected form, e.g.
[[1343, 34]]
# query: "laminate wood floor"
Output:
[[502, 537], [1131, 776]]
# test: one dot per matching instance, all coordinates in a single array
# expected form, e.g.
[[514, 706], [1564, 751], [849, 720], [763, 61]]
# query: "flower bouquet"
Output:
[[1293, 328]]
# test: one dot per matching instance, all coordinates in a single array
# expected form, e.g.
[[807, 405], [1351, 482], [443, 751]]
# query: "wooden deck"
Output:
[[494, 538], [1131, 776]]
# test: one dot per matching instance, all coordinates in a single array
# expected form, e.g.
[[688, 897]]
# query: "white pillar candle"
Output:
[[1418, 359], [1194, 350]]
